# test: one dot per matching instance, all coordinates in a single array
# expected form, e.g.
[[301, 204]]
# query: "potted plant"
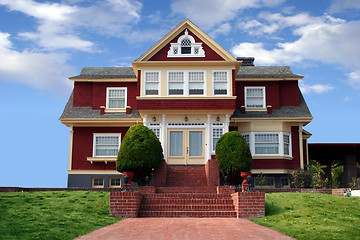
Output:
[[140, 153], [233, 154]]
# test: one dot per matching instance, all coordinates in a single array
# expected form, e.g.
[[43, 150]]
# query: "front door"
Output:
[[186, 146]]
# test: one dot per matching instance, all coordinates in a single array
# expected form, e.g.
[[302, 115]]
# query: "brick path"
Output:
[[184, 228]]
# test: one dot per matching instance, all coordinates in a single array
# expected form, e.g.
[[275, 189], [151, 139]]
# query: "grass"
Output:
[[312, 216], [53, 215]]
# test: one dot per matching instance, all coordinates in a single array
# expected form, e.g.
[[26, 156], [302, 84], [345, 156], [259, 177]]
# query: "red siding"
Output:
[[82, 94], [289, 93], [94, 94], [271, 92], [210, 55], [83, 147], [172, 104]]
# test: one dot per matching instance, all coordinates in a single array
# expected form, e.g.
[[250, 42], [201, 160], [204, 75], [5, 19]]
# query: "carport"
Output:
[[347, 153]]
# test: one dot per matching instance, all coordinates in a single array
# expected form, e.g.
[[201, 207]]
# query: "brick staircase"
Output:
[[187, 202], [185, 176]]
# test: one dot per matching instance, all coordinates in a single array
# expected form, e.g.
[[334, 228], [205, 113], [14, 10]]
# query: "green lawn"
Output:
[[312, 216], [53, 215]]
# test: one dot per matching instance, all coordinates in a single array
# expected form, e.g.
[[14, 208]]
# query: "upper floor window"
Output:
[[106, 145], [116, 98], [186, 47], [186, 83], [152, 82], [220, 82], [255, 97]]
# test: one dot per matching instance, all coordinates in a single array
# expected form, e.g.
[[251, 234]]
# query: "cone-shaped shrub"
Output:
[[140, 152], [233, 153]]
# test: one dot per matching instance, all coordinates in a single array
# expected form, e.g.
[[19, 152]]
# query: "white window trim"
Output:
[[215, 126], [264, 99], [159, 82], [107, 98], [108, 135], [280, 146], [227, 85], [186, 83]]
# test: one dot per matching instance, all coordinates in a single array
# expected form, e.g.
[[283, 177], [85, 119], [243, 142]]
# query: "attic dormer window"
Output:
[[186, 47]]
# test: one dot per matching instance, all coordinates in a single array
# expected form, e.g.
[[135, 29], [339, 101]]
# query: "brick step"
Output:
[[223, 214], [179, 176], [190, 207], [187, 195], [193, 201], [186, 190]]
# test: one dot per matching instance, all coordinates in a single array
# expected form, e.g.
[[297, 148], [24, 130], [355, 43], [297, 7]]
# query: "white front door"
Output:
[[186, 147]]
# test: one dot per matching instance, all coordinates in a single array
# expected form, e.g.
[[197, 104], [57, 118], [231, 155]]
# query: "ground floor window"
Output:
[[106, 145], [97, 182], [217, 130], [115, 182], [284, 182], [156, 128], [265, 182]]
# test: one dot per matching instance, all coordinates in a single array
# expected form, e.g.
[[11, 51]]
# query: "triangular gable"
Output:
[[213, 51]]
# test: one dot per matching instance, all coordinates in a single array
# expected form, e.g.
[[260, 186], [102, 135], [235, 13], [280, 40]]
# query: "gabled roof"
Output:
[[175, 31], [266, 72], [105, 72], [301, 111]]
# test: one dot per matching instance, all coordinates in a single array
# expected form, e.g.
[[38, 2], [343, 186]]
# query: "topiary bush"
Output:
[[233, 154], [140, 152]]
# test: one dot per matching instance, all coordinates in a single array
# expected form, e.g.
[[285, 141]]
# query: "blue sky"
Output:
[[42, 43]]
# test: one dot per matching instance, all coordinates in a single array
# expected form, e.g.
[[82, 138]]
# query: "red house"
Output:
[[189, 91]]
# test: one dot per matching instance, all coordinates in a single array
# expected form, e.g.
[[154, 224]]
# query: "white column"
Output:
[[145, 120], [301, 149], [227, 123], [208, 139], [163, 135], [71, 146]]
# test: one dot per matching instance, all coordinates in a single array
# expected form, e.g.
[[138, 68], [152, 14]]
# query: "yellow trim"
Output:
[[107, 122], [71, 146], [92, 182], [94, 172], [176, 31], [184, 98], [185, 112], [108, 110], [272, 171], [110, 186], [103, 79], [268, 79], [272, 157]]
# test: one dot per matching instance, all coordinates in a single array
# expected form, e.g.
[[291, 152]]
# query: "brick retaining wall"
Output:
[[249, 204], [125, 204]]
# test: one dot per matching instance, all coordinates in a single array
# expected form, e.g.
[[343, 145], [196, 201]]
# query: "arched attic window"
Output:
[[186, 47]]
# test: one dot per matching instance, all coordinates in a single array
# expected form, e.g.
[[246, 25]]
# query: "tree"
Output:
[[140, 152], [233, 154]]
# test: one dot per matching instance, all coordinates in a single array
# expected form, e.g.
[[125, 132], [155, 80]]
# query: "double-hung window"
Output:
[[186, 83], [220, 82], [267, 144], [106, 145], [152, 83], [217, 132], [116, 98], [255, 97], [156, 128]]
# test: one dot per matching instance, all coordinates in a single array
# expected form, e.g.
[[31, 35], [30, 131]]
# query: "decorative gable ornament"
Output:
[[186, 47]]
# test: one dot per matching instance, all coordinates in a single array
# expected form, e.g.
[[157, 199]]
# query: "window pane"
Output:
[[106, 146], [98, 182], [151, 83], [216, 134], [176, 83], [116, 98], [220, 88], [286, 144], [116, 103], [196, 83], [266, 143], [255, 98], [176, 143], [115, 182], [195, 139]]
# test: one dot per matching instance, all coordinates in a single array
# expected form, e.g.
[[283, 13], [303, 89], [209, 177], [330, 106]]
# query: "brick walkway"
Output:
[[184, 228]]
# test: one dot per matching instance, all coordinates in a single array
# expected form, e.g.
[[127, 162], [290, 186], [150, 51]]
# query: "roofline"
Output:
[[105, 79], [100, 121], [287, 119], [335, 144], [255, 79]]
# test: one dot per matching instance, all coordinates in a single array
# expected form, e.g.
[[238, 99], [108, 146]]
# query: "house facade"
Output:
[[189, 91]]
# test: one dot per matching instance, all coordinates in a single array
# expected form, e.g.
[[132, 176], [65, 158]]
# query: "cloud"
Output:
[[215, 12], [341, 5], [354, 79], [222, 29], [316, 88], [39, 70]]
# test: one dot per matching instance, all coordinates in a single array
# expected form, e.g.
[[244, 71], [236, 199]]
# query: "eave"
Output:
[[259, 79], [103, 79], [108, 122]]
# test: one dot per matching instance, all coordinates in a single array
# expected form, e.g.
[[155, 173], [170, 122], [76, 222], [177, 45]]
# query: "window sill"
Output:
[[101, 159], [272, 157], [107, 110]]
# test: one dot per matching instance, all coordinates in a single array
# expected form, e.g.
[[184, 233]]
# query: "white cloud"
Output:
[[222, 29], [354, 79], [212, 12], [39, 70], [341, 5], [316, 88]]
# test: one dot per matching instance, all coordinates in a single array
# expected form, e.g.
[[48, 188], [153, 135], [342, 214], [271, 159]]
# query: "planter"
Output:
[[245, 184]]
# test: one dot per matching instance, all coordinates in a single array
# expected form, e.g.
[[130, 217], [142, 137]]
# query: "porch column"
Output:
[[145, 120], [226, 124], [163, 135], [71, 146], [208, 140], [301, 148]]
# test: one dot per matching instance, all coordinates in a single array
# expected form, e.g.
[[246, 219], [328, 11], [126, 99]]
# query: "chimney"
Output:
[[246, 61]]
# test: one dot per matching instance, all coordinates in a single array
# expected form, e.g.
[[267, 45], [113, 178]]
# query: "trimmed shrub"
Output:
[[140, 152], [233, 154]]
